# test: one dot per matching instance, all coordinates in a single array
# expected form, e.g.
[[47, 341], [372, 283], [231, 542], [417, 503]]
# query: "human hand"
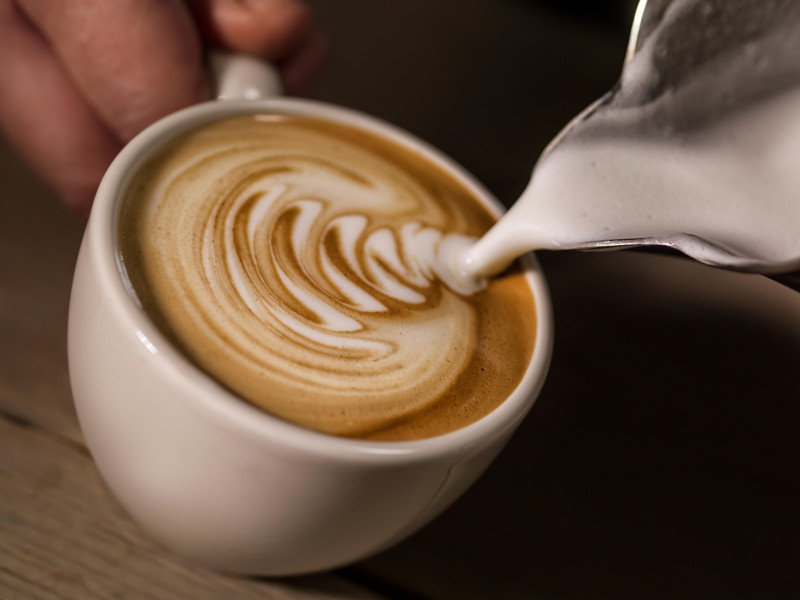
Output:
[[80, 78]]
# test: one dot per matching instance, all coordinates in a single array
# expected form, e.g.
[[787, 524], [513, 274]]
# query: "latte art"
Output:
[[303, 264]]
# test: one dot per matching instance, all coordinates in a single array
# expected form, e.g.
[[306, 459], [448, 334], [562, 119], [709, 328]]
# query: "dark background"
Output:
[[662, 459]]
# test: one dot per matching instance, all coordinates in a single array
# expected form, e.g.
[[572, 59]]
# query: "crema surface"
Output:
[[299, 262]]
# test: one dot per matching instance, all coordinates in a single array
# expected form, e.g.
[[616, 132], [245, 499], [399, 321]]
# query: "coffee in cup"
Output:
[[296, 260], [215, 478]]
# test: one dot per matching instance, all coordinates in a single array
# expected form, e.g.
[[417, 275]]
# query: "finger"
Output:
[[133, 60], [280, 31], [271, 29], [45, 116]]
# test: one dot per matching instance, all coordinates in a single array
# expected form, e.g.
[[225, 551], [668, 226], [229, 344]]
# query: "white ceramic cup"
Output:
[[214, 478]]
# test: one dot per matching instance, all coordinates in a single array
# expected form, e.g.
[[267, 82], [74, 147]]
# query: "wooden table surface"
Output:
[[662, 459]]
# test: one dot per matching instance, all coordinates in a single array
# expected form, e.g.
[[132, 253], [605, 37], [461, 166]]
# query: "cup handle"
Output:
[[242, 77]]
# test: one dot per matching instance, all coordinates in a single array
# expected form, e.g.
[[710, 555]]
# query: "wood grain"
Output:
[[63, 536]]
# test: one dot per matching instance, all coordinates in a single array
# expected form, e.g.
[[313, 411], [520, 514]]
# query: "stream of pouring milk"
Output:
[[737, 184], [701, 136]]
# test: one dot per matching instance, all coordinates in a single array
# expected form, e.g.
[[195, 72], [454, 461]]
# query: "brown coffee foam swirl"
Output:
[[296, 263]]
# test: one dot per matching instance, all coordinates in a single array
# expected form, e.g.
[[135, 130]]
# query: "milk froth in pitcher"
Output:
[[695, 148]]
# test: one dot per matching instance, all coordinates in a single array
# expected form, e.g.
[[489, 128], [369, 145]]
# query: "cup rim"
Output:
[[217, 398]]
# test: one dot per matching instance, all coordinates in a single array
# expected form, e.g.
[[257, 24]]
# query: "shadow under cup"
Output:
[[213, 477]]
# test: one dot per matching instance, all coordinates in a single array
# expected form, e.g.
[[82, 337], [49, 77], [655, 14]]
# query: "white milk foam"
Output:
[[640, 166], [738, 184]]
